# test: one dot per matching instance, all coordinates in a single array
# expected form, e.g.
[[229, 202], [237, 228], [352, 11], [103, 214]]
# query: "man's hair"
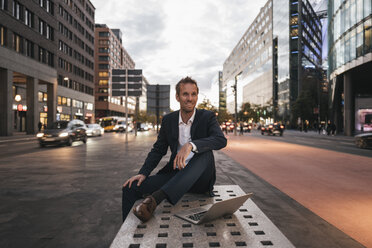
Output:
[[186, 80]]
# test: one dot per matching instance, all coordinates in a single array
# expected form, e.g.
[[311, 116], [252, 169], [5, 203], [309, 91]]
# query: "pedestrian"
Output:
[[333, 128], [39, 125], [328, 128], [241, 128], [319, 127], [191, 134]]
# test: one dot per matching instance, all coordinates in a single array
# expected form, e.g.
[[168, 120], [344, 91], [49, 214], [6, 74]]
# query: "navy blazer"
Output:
[[206, 134]]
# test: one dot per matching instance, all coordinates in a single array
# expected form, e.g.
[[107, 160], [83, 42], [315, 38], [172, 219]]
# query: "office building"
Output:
[[75, 40], [350, 64], [297, 39], [46, 63], [110, 54], [28, 75], [250, 64]]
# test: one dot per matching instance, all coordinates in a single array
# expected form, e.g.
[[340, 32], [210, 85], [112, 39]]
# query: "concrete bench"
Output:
[[247, 227]]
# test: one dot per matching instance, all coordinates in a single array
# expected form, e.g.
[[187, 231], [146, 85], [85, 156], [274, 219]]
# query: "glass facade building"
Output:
[[297, 39], [349, 61]]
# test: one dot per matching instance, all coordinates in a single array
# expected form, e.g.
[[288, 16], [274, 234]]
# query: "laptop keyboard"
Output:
[[197, 216]]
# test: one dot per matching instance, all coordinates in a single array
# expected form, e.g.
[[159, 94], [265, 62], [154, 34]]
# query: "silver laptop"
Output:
[[211, 212]]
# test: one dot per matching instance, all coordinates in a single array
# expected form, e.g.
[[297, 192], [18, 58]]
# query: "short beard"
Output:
[[187, 111]]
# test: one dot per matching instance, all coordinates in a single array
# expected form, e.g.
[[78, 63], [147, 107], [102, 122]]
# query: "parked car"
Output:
[[94, 130], [63, 132], [274, 128], [363, 140]]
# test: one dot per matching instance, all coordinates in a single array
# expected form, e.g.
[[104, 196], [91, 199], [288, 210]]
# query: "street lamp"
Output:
[[17, 98]]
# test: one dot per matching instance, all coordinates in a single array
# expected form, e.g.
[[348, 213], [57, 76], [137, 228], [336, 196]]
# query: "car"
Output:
[[120, 127], [363, 140], [63, 132], [142, 126], [273, 128], [247, 127], [94, 130]]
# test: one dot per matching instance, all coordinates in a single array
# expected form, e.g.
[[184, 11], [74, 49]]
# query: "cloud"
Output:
[[171, 39]]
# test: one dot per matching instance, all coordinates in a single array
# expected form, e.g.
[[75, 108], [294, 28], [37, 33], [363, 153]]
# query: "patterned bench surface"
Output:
[[247, 227]]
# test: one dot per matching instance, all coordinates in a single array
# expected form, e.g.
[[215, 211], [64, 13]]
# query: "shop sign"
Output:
[[79, 113]]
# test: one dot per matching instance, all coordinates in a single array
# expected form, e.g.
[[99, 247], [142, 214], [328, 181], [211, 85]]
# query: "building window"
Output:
[[49, 32], [17, 43], [50, 57], [367, 36], [102, 98], [103, 74], [42, 55], [103, 50], [4, 4], [29, 18], [59, 100], [18, 10], [2, 36], [104, 34], [104, 58], [41, 27], [103, 82], [29, 49], [104, 66]]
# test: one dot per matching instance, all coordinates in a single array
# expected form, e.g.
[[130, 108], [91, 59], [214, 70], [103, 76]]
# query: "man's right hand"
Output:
[[140, 178]]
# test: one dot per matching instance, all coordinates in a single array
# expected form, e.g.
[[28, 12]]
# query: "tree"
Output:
[[303, 106], [206, 104], [223, 115]]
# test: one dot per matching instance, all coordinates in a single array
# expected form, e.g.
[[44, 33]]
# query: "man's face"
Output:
[[188, 97]]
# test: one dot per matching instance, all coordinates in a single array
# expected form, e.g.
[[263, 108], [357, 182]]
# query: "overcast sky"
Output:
[[171, 39]]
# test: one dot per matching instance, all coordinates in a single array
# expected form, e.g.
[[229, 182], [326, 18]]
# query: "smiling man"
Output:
[[191, 134]]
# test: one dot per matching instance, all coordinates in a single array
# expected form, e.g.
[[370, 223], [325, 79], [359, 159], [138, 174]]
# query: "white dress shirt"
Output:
[[184, 135]]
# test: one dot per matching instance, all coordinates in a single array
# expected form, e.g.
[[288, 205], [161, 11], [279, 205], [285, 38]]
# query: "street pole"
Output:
[[236, 104], [236, 101], [157, 107], [126, 104]]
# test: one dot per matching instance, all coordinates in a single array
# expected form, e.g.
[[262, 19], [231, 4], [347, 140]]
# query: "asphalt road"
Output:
[[337, 143], [71, 196], [325, 174]]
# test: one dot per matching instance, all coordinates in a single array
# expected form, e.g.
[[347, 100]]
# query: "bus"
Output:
[[115, 123]]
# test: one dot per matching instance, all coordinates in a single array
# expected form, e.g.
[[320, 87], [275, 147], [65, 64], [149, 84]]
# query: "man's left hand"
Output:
[[179, 160]]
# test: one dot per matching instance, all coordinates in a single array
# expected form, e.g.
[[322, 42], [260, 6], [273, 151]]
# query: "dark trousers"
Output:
[[197, 177]]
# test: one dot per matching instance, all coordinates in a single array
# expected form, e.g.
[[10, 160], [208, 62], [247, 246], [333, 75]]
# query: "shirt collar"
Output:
[[191, 120]]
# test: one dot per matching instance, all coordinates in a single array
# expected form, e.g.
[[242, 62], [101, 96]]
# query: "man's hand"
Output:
[[138, 177], [181, 156]]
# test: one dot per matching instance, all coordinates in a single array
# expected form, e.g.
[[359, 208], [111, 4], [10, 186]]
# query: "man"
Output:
[[191, 134]]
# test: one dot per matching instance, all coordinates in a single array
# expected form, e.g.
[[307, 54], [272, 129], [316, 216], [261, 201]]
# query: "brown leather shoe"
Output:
[[145, 209]]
